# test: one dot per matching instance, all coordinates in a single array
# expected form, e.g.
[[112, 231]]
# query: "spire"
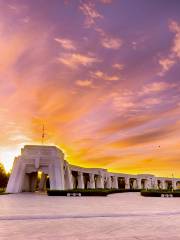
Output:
[[43, 134]]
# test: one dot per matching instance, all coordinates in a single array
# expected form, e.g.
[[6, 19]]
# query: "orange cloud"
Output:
[[84, 83], [11, 49], [118, 124], [141, 139]]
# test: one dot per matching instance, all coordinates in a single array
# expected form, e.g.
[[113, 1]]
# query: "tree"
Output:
[[3, 176]]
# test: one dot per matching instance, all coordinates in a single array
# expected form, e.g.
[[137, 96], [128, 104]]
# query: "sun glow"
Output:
[[7, 157]]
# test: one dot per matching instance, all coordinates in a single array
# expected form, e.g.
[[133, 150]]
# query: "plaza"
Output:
[[118, 216]]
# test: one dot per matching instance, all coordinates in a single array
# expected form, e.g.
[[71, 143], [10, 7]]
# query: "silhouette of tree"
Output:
[[3, 176]]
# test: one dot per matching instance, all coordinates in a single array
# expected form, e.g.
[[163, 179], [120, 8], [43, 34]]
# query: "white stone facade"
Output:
[[49, 160]]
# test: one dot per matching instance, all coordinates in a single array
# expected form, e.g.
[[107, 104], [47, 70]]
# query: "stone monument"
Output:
[[46, 159]]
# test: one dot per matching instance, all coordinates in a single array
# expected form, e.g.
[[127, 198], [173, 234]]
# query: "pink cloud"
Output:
[[108, 41], [104, 76], [74, 60], [166, 64], [175, 27], [111, 42], [156, 87], [118, 66], [90, 12], [66, 43], [106, 1]]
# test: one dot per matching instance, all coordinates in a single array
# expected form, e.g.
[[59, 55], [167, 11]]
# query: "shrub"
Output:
[[3, 177], [89, 192], [83, 192], [159, 192], [2, 190]]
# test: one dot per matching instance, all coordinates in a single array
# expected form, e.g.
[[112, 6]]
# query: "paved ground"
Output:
[[118, 216]]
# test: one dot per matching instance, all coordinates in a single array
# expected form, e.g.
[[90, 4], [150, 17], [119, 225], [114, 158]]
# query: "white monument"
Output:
[[46, 159], [49, 161]]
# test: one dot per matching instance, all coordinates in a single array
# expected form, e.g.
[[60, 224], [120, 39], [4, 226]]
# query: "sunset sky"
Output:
[[103, 76]]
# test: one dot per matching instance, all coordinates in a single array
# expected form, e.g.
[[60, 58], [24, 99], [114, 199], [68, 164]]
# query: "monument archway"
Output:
[[47, 159]]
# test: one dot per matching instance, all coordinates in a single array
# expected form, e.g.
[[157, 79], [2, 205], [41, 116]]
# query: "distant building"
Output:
[[49, 160]]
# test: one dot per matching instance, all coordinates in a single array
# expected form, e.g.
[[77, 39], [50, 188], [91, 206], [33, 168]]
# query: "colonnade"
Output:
[[94, 179], [49, 160]]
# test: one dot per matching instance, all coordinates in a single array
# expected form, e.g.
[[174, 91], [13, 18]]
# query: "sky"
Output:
[[101, 75]]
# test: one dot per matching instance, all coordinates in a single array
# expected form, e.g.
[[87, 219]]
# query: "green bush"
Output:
[[83, 192], [2, 190], [3, 177], [159, 192], [89, 192], [122, 190]]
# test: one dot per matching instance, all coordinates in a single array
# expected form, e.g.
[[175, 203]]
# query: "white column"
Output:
[[174, 186], [127, 185], [134, 183], [99, 181], [91, 183], [146, 184], [109, 182], [68, 178], [163, 184], [149, 183], [155, 183], [16, 179], [80, 180], [115, 182], [138, 183]]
